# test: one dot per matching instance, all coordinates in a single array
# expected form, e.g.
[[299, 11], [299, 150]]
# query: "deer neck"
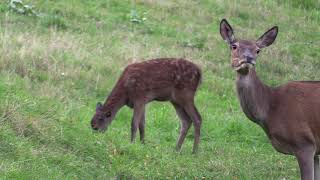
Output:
[[254, 96], [116, 99]]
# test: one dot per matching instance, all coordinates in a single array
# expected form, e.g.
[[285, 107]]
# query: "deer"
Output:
[[163, 79], [289, 114]]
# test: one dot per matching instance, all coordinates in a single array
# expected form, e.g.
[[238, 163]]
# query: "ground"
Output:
[[59, 61]]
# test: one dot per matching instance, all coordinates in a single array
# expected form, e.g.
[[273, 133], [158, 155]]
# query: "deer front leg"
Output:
[[316, 168], [185, 125], [141, 128], [138, 113], [305, 159]]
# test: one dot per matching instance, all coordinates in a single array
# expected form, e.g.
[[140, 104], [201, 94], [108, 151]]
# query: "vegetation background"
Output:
[[59, 58]]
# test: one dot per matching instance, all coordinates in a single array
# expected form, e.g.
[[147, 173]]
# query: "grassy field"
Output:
[[56, 65]]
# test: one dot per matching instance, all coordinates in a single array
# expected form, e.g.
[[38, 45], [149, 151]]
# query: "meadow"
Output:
[[59, 58]]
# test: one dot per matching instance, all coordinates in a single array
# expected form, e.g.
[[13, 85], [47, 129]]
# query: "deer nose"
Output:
[[94, 127], [249, 59]]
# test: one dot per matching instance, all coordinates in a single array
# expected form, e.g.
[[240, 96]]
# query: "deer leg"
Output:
[[138, 113], [316, 168], [185, 125], [141, 128], [306, 159], [196, 119]]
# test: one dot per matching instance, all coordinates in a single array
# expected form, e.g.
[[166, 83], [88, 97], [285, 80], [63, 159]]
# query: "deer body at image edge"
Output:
[[165, 79], [289, 114]]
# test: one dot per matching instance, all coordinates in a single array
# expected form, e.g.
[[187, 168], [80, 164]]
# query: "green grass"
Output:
[[55, 67]]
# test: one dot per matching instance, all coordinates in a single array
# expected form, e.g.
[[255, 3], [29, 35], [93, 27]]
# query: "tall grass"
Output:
[[56, 66]]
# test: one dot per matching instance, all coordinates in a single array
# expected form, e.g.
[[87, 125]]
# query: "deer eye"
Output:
[[234, 47], [258, 51], [108, 114]]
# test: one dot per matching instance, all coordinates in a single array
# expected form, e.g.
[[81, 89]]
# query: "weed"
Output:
[[136, 18], [19, 7]]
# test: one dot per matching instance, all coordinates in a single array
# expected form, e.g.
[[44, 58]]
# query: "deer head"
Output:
[[244, 53], [102, 118]]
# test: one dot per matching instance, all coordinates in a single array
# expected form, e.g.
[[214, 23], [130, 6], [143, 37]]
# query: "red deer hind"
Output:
[[289, 114], [174, 80]]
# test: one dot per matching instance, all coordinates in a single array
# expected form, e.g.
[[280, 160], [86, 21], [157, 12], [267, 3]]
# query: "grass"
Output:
[[55, 67]]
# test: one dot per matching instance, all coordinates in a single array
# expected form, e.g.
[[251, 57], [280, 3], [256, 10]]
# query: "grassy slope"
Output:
[[51, 78]]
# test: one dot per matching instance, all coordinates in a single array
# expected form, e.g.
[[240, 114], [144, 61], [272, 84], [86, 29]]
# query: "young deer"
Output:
[[174, 80], [289, 114]]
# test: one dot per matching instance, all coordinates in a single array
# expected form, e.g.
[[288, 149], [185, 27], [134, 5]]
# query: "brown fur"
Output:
[[174, 80], [289, 114]]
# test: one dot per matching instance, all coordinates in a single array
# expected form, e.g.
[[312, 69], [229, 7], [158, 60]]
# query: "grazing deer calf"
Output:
[[289, 114], [174, 80]]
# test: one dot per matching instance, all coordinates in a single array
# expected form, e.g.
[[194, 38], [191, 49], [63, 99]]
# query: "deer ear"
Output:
[[99, 105], [226, 32], [268, 37]]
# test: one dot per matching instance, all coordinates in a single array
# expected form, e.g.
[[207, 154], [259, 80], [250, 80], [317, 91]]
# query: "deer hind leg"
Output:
[[185, 124], [316, 168], [138, 114], [141, 128], [306, 159], [196, 119]]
